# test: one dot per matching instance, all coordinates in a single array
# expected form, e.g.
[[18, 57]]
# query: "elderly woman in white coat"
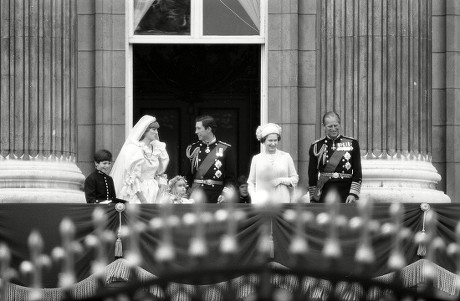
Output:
[[272, 170]]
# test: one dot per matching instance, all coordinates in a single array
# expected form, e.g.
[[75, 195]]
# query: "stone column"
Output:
[[37, 109], [375, 71]]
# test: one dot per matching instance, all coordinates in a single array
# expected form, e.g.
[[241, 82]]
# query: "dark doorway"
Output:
[[176, 83]]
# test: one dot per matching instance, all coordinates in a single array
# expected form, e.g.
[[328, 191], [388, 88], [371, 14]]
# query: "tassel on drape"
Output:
[[421, 251], [271, 242], [120, 207], [266, 245], [118, 248], [271, 247]]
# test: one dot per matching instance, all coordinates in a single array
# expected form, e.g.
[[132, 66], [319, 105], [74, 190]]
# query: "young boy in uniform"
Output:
[[99, 185]]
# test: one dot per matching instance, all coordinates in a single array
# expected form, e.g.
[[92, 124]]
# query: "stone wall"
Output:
[[283, 58], [101, 79], [293, 79], [451, 59], [308, 92]]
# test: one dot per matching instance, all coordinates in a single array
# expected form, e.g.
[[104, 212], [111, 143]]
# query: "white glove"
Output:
[[285, 181], [282, 180]]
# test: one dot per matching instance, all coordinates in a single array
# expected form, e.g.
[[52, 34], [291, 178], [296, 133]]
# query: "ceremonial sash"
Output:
[[330, 167], [207, 163]]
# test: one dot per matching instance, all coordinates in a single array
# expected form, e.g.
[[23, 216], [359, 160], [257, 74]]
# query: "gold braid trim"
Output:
[[193, 156], [321, 152]]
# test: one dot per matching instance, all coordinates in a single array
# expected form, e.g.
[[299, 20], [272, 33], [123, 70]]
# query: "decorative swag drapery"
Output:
[[18, 220]]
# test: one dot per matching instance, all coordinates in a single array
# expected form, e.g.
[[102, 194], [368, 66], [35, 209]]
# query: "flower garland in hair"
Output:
[[173, 181], [175, 198]]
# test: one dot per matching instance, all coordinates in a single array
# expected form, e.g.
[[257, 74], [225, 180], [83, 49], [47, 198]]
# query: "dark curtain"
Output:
[[18, 220]]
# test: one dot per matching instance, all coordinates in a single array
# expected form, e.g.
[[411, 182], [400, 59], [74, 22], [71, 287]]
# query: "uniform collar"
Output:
[[213, 140], [338, 137]]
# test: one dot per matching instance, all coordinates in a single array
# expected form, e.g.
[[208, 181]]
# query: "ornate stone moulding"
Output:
[[40, 157], [407, 179], [45, 180], [404, 156]]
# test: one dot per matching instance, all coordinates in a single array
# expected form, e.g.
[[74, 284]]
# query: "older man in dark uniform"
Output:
[[212, 164], [335, 164]]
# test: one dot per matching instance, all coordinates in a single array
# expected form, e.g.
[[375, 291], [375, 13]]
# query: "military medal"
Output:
[[220, 152], [333, 146], [207, 150]]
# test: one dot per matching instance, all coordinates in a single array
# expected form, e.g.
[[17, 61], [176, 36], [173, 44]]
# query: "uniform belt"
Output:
[[209, 182], [336, 175]]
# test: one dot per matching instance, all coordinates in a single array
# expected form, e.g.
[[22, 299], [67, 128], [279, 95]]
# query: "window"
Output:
[[161, 17], [231, 17], [196, 21]]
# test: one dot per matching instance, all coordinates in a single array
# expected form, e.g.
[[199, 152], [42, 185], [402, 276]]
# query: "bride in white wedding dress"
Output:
[[137, 172]]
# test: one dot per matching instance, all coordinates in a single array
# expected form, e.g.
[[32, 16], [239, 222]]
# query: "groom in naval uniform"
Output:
[[212, 164], [335, 164]]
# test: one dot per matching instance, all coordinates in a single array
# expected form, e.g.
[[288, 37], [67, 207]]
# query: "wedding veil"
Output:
[[119, 167]]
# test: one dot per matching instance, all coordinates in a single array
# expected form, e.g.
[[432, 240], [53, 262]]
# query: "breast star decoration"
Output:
[[218, 164]]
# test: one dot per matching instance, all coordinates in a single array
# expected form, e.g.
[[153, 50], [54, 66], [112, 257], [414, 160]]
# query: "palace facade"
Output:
[[76, 75]]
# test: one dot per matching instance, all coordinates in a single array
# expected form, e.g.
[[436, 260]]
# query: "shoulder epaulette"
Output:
[[224, 143], [318, 140], [348, 137]]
